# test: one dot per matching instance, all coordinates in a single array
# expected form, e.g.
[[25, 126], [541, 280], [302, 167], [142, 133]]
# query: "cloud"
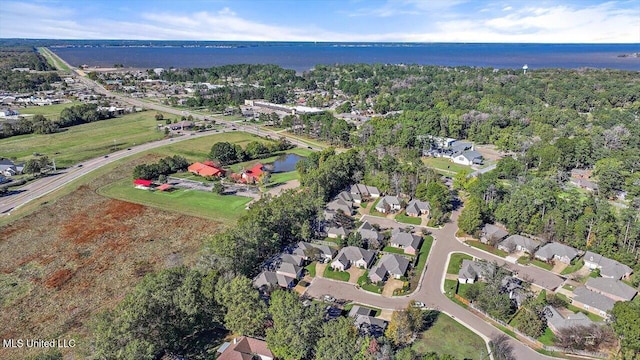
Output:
[[441, 21]]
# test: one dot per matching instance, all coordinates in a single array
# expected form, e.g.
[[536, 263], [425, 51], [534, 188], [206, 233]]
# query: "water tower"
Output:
[[524, 68]]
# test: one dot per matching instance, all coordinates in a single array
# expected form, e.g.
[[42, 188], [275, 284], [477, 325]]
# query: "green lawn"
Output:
[[329, 273], [446, 336], [311, 268], [87, 141], [573, 268], [455, 262], [524, 260], [50, 111], [488, 248], [576, 309], [548, 338], [445, 166], [198, 149], [568, 287], [364, 283], [226, 208], [422, 261], [373, 210], [463, 288], [450, 287], [53, 59], [284, 177], [403, 218], [394, 250]]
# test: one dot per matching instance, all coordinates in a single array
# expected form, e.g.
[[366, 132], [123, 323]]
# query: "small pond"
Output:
[[285, 163]]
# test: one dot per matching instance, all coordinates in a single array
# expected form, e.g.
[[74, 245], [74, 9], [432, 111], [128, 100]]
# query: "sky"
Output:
[[508, 21]]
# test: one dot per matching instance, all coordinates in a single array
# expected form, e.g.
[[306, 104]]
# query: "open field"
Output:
[[284, 177], [488, 248], [198, 149], [80, 254], [87, 141], [53, 59], [50, 111], [445, 166], [405, 219], [438, 338], [225, 208]]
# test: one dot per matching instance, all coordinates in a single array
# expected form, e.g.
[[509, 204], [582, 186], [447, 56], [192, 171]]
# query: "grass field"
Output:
[[53, 59], [198, 149], [329, 273], [49, 111], [188, 202], [438, 338], [87, 141], [573, 268], [403, 218], [311, 268], [364, 283], [445, 166], [425, 249], [488, 248], [394, 250], [284, 177], [455, 262]]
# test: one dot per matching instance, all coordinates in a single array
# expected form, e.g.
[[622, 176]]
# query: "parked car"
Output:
[[419, 304], [328, 298]]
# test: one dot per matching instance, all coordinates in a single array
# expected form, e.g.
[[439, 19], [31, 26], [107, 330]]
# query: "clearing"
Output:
[[49, 111], [81, 254], [445, 166], [86, 141], [438, 338]]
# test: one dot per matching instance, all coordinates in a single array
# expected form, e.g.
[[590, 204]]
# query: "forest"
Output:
[[25, 57]]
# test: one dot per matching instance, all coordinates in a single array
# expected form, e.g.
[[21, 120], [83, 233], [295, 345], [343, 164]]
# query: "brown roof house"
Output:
[[245, 348]]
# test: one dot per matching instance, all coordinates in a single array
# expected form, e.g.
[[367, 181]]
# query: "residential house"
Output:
[[608, 268], [519, 243], [416, 208], [556, 251], [592, 301], [142, 184], [468, 158], [410, 243], [584, 184], [245, 348], [253, 175], [289, 270], [393, 265], [581, 174], [366, 322], [326, 253], [388, 204], [293, 259], [611, 288], [345, 196], [268, 279], [556, 321], [336, 232], [369, 233], [365, 191], [491, 234], [471, 271], [8, 168], [207, 169], [353, 255], [513, 286], [339, 205]]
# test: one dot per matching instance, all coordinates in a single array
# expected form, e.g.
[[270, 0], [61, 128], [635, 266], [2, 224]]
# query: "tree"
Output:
[[217, 187], [626, 324], [245, 311], [295, 328], [400, 329], [501, 348], [339, 340], [470, 218], [159, 117], [226, 153]]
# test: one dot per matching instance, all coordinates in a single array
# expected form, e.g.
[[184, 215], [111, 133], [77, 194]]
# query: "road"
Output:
[[431, 290]]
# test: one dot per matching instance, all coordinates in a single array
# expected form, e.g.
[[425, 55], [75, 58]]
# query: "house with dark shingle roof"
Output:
[[327, 253], [519, 243], [366, 322], [393, 265], [556, 251], [491, 234], [410, 243], [611, 288], [289, 270], [353, 255], [368, 232], [245, 348], [470, 271], [267, 279], [336, 232], [608, 268], [341, 205], [416, 208], [388, 204], [592, 301], [556, 321]]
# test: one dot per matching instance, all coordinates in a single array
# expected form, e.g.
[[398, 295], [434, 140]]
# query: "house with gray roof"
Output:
[[365, 191], [368, 232], [366, 322], [556, 251], [518, 243], [410, 243], [345, 196], [268, 279], [294, 259], [592, 301], [609, 268], [336, 232], [556, 321], [612, 288], [468, 158], [289, 270], [340, 205], [470, 271], [326, 253], [393, 265], [491, 234], [388, 204], [352, 255], [416, 208], [584, 184]]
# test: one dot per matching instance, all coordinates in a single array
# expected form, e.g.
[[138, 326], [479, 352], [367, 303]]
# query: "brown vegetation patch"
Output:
[[84, 253]]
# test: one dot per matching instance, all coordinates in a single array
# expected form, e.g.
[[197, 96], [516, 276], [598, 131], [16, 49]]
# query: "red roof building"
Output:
[[206, 169], [253, 175], [140, 183]]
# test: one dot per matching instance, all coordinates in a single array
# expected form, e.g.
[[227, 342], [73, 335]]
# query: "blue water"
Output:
[[285, 163], [304, 56]]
